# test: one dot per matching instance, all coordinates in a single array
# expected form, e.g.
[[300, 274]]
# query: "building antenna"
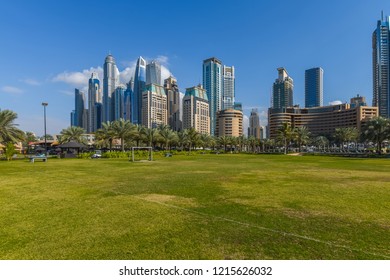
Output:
[[382, 15]]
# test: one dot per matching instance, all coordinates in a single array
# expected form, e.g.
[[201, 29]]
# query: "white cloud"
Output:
[[336, 102], [31, 82], [162, 59], [12, 90], [78, 79]]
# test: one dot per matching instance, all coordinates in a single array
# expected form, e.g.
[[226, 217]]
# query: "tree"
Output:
[[8, 129], [376, 130], [223, 141], [9, 150], [150, 136], [252, 141], [285, 133], [167, 136], [346, 134], [192, 137], [122, 129], [321, 141], [182, 138], [302, 136], [73, 133]]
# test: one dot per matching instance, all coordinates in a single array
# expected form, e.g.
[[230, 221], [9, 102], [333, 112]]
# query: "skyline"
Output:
[[51, 48]]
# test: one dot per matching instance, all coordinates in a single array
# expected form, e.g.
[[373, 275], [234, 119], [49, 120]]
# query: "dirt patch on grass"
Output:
[[170, 199]]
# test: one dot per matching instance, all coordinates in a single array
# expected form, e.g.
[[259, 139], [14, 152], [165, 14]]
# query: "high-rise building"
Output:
[[139, 85], [153, 73], [229, 123], [314, 87], [228, 87], [110, 82], [196, 110], [381, 67], [79, 101], [94, 96], [154, 106], [358, 101], [212, 83], [173, 96], [127, 99], [282, 93], [118, 100], [254, 128]]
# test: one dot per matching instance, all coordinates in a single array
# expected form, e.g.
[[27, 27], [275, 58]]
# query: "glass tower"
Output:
[[282, 92], [212, 83], [79, 107], [110, 82], [228, 87], [153, 73], [380, 67], [94, 96], [314, 87], [139, 85]]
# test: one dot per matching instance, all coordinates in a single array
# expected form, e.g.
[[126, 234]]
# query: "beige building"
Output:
[[320, 121], [154, 106], [196, 111], [229, 123]]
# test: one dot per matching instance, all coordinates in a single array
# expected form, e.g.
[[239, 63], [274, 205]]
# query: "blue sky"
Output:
[[50, 47]]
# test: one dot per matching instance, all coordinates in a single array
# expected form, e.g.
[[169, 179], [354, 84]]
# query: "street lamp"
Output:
[[44, 104]]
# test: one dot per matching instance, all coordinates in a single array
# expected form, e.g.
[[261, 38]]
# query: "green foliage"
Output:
[[8, 129], [9, 151], [73, 133]]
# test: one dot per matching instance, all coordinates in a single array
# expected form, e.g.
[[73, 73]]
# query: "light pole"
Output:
[[44, 104]]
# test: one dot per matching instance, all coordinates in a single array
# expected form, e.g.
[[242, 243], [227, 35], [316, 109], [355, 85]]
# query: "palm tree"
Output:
[[285, 133], [122, 129], [167, 136], [182, 138], [105, 135], [73, 133], [137, 134], [376, 130], [150, 136], [8, 129], [302, 135], [192, 137], [223, 141], [321, 141], [205, 140], [252, 141]]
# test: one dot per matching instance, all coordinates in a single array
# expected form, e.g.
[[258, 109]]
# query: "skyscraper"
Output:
[[228, 87], [154, 106], [282, 93], [127, 99], [153, 73], [110, 82], [381, 67], [173, 96], [196, 110], [254, 128], [118, 100], [79, 100], [212, 83], [314, 87], [139, 85], [94, 96], [229, 123]]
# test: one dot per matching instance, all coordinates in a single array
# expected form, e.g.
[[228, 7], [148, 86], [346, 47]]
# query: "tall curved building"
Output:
[[139, 85], [110, 82]]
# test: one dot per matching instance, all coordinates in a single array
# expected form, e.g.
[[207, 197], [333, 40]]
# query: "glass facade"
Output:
[[139, 85], [314, 87], [381, 67]]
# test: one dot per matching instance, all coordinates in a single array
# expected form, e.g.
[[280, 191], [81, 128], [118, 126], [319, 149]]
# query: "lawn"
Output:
[[196, 207]]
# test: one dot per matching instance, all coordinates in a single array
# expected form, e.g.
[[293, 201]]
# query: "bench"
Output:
[[168, 155], [33, 158]]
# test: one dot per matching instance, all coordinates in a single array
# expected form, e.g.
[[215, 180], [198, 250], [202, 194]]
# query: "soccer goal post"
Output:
[[149, 155]]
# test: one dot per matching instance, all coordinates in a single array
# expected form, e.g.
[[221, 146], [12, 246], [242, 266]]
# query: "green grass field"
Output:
[[196, 207]]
